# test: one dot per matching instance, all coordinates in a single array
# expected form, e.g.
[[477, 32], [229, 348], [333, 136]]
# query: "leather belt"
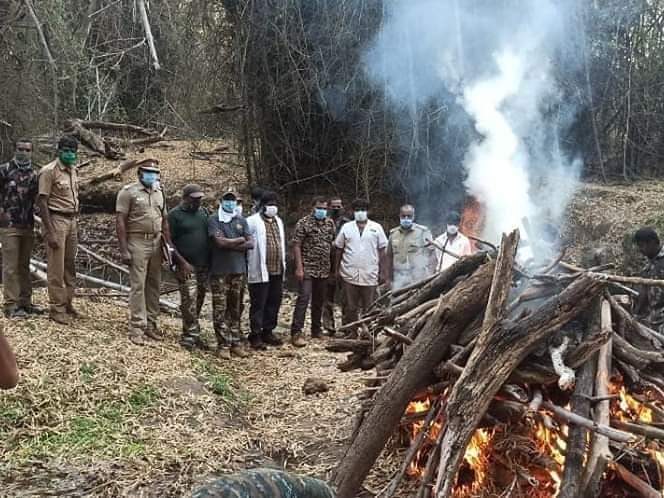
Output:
[[144, 236], [63, 214]]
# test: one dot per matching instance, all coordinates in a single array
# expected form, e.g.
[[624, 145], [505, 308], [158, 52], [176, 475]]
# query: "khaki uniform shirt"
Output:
[[60, 184], [412, 254], [145, 208]]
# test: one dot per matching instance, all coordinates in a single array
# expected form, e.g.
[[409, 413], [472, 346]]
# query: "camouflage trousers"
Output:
[[265, 483], [192, 295], [226, 306]]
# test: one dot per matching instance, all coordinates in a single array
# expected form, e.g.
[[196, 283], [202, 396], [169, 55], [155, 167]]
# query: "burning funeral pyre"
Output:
[[507, 381]]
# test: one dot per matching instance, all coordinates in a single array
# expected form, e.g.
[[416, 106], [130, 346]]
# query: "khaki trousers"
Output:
[[17, 246], [62, 263], [144, 280]]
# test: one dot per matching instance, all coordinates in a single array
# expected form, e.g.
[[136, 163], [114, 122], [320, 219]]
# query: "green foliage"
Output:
[[219, 382]]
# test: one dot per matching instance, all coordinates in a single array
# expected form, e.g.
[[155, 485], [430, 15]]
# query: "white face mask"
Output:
[[271, 211], [452, 229], [361, 216]]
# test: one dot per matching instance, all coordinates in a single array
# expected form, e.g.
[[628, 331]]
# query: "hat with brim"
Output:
[[229, 194], [152, 166], [193, 190]]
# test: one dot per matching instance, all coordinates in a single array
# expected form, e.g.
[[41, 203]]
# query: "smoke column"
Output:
[[497, 59]]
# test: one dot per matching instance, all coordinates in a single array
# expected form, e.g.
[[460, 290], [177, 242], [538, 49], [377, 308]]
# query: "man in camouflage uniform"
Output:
[[188, 223], [650, 306], [265, 483], [230, 240], [312, 245], [18, 192], [410, 255], [333, 295]]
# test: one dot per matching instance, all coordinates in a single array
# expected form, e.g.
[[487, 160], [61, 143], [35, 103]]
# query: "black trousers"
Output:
[[314, 290], [264, 304]]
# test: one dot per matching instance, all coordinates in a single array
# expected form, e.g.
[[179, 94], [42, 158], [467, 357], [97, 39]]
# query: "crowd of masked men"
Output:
[[341, 256]]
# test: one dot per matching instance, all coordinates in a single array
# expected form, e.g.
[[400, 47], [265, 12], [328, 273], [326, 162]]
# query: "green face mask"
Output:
[[68, 158]]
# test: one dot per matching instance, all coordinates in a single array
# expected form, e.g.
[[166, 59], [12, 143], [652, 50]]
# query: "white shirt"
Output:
[[256, 258], [460, 245], [360, 261]]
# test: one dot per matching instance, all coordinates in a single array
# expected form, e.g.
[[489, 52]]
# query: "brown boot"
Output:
[[60, 318], [224, 353], [154, 333], [239, 351], [137, 337], [73, 312], [298, 341]]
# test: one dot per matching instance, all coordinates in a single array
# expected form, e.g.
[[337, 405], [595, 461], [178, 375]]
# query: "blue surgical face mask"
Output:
[[228, 206], [406, 222], [148, 178], [320, 214]]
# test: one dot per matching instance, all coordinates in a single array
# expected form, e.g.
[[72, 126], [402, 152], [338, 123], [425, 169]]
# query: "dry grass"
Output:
[[95, 415]]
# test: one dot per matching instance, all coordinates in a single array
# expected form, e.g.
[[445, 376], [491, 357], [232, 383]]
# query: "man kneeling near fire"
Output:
[[650, 304]]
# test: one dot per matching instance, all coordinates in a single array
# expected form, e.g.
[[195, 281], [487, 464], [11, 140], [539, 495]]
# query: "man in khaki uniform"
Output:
[[141, 225], [59, 207], [410, 255]]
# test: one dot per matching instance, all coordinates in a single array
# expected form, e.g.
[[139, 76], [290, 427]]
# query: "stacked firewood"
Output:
[[489, 341]]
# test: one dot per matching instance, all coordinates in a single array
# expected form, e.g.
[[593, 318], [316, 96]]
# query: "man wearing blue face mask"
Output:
[[229, 240], [141, 223], [312, 244], [410, 256]]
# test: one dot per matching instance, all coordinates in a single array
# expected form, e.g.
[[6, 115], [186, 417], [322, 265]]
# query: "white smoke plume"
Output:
[[497, 58]]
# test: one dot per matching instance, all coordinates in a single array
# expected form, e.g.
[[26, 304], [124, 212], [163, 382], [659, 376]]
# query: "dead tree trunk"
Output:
[[499, 351], [453, 314], [572, 483]]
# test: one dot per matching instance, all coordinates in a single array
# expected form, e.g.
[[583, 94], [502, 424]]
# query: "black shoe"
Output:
[[16, 313], [33, 310], [257, 343], [271, 339]]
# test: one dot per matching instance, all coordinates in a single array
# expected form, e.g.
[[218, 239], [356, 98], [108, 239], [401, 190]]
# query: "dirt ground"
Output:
[[95, 415]]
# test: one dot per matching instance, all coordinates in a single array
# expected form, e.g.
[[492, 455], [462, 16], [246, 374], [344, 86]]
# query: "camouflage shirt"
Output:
[[265, 483], [18, 191], [654, 294], [315, 238]]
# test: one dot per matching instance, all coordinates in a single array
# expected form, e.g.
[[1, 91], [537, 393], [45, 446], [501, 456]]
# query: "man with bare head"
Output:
[[410, 255], [18, 192], [650, 305]]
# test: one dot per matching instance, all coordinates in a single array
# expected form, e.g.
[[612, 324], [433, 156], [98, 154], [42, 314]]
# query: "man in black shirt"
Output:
[[188, 224], [230, 240], [19, 186]]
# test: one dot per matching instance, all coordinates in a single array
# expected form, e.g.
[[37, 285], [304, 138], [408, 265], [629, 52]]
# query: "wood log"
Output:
[[412, 451], [600, 452], [647, 431], [635, 356], [571, 485], [638, 484], [442, 282], [91, 139], [412, 373], [496, 356], [124, 127], [605, 430], [347, 345], [495, 310]]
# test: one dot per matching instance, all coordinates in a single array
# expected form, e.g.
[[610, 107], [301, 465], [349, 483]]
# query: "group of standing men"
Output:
[[223, 251]]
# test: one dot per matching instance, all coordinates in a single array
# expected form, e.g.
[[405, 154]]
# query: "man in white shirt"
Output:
[[361, 260], [453, 241]]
